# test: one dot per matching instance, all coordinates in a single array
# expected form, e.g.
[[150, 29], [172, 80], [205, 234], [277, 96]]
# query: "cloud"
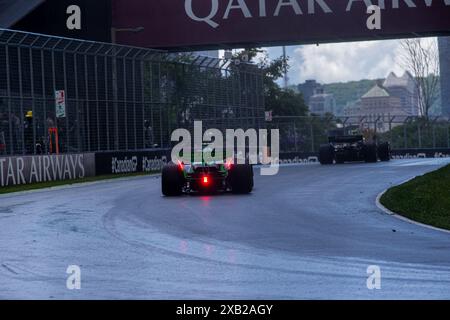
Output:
[[346, 61], [341, 62]]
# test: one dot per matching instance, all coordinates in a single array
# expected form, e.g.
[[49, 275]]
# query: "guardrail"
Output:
[[19, 170]]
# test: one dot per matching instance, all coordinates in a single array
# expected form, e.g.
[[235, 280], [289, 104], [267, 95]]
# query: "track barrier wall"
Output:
[[131, 162], [20, 170]]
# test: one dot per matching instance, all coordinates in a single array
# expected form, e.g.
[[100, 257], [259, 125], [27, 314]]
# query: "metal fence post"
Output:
[[419, 133], [448, 135], [77, 99], [43, 95], [87, 102], [67, 131], [405, 137], [22, 120], [33, 102], [391, 119], [124, 104], [115, 100], [97, 103], [8, 89], [107, 101], [434, 134], [142, 101]]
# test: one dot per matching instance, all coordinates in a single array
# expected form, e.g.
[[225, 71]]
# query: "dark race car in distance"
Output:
[[353, 148]]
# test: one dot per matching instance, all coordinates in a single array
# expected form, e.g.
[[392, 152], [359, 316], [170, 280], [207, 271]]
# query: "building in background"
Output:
[[353, 109], [321, 103], [378, 102], [405, 89], [308, 89], [395, 96], [376, 106], [444, 57]]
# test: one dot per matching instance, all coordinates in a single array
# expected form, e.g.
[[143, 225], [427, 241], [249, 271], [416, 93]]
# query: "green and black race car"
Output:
[[206, 177]]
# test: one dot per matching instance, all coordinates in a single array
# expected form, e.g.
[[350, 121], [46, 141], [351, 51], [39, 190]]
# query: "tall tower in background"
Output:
[[444, 57]]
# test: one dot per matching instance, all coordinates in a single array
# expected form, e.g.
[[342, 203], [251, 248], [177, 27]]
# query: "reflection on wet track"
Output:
[[309, 232]]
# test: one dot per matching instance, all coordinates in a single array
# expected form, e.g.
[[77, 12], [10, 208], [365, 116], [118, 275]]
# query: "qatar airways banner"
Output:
[[239, 23], [45, 168]]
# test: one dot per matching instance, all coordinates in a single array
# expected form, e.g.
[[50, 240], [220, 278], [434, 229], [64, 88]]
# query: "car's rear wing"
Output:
[[346, 139]]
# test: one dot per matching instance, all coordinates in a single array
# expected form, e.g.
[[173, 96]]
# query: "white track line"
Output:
[[395, 215]]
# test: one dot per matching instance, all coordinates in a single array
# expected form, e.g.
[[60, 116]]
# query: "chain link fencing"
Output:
[[121, 98], [114, 98], [306, 134]]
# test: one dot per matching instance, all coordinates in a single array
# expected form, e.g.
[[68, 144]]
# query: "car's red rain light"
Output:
[[229, 164], [180, 165], [205, 180]]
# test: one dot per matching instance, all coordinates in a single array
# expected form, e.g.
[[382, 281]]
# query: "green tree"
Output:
[[419, 133], [299, 131], [421, 57], [282, 102]]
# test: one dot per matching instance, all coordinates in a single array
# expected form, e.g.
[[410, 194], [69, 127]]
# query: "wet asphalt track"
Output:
[[308, 233]]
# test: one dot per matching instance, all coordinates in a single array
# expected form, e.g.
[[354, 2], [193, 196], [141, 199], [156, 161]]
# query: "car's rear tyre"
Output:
[[241, 179], [384, 151], [370, 153], [172, 180], [340, 159], [326, 154]]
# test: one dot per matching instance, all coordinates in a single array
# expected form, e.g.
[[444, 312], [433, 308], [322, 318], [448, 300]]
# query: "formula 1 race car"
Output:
[[341, 149], [179, 178]]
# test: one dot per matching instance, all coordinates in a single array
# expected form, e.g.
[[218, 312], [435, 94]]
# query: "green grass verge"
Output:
[[43, 185], [425, 199]]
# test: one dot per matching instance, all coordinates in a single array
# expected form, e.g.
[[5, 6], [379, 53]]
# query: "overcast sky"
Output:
[[341, 62]]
